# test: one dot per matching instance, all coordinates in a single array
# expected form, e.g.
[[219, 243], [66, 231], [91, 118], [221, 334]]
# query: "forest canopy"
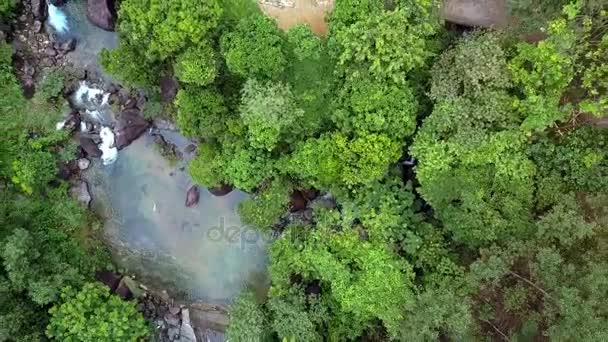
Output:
[[467, 179], [454, 180]]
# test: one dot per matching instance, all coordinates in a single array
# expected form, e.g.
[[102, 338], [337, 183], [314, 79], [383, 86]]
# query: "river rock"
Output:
[[49, 51], [37, 26], [66, 46], [67, 170], [102, 13], [172, 320], [123, 291], [488, 13], [110, 279], [38, 9], [186, 331], [168, 89], [175, 310], [298, 202], [83, 163], [165, 125], [130, 126], [80, 192], [90, 147], [72, 122], [221, 190], [192, 196], [190, 148], [130, 104]]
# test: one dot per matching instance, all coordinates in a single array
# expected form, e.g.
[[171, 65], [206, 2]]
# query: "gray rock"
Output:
[[49, 51], [102, 13], [172, 320], [83, 163], [29, 69], [175, 310], [173, 334], [130, 126], [165, 125], [80, 192], [38, 9], [192, 196], [190, 148], [168, 89], [90, 147], [68, 45], [487, 13], [37, 26]]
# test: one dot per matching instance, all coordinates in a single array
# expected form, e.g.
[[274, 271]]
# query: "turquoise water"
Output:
[[200, 253]]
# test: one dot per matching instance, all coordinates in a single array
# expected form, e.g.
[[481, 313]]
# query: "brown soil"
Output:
[[311, 12]]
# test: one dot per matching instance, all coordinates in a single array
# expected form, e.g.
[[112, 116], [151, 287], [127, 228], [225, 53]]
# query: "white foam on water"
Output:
[[109, 152], [57, 19], [86, 95], [83, 126]]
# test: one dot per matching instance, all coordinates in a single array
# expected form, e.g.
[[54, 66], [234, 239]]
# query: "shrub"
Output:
[[93, 314]]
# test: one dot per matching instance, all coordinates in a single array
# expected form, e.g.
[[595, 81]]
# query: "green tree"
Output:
[[128, 65], [365, 281], [254, 48], [290, 319], [366, 105], [303, 42], [267, 206], [197, 65], [387, 45], [269, 112], [247, 320], [6, 7], [207, 168], [201, 113], [93, 314], [163, 29]]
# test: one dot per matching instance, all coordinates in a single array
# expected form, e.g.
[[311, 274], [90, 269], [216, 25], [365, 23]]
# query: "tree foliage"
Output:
[[247, 320], [255, 48], [94, 314]]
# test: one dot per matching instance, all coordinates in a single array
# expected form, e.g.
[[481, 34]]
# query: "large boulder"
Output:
[[80, 192], [168, 89], [298, 202], [192, 196], [90, 147], [39, 9], [102, 13], [476, 13], [109, 278], [130, 127]]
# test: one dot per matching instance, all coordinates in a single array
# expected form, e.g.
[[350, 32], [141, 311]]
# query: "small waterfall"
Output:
[[94, 101], [109, 152], [57, 19]]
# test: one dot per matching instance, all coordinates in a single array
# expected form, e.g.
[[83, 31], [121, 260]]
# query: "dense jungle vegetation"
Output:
[[471, 185]]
